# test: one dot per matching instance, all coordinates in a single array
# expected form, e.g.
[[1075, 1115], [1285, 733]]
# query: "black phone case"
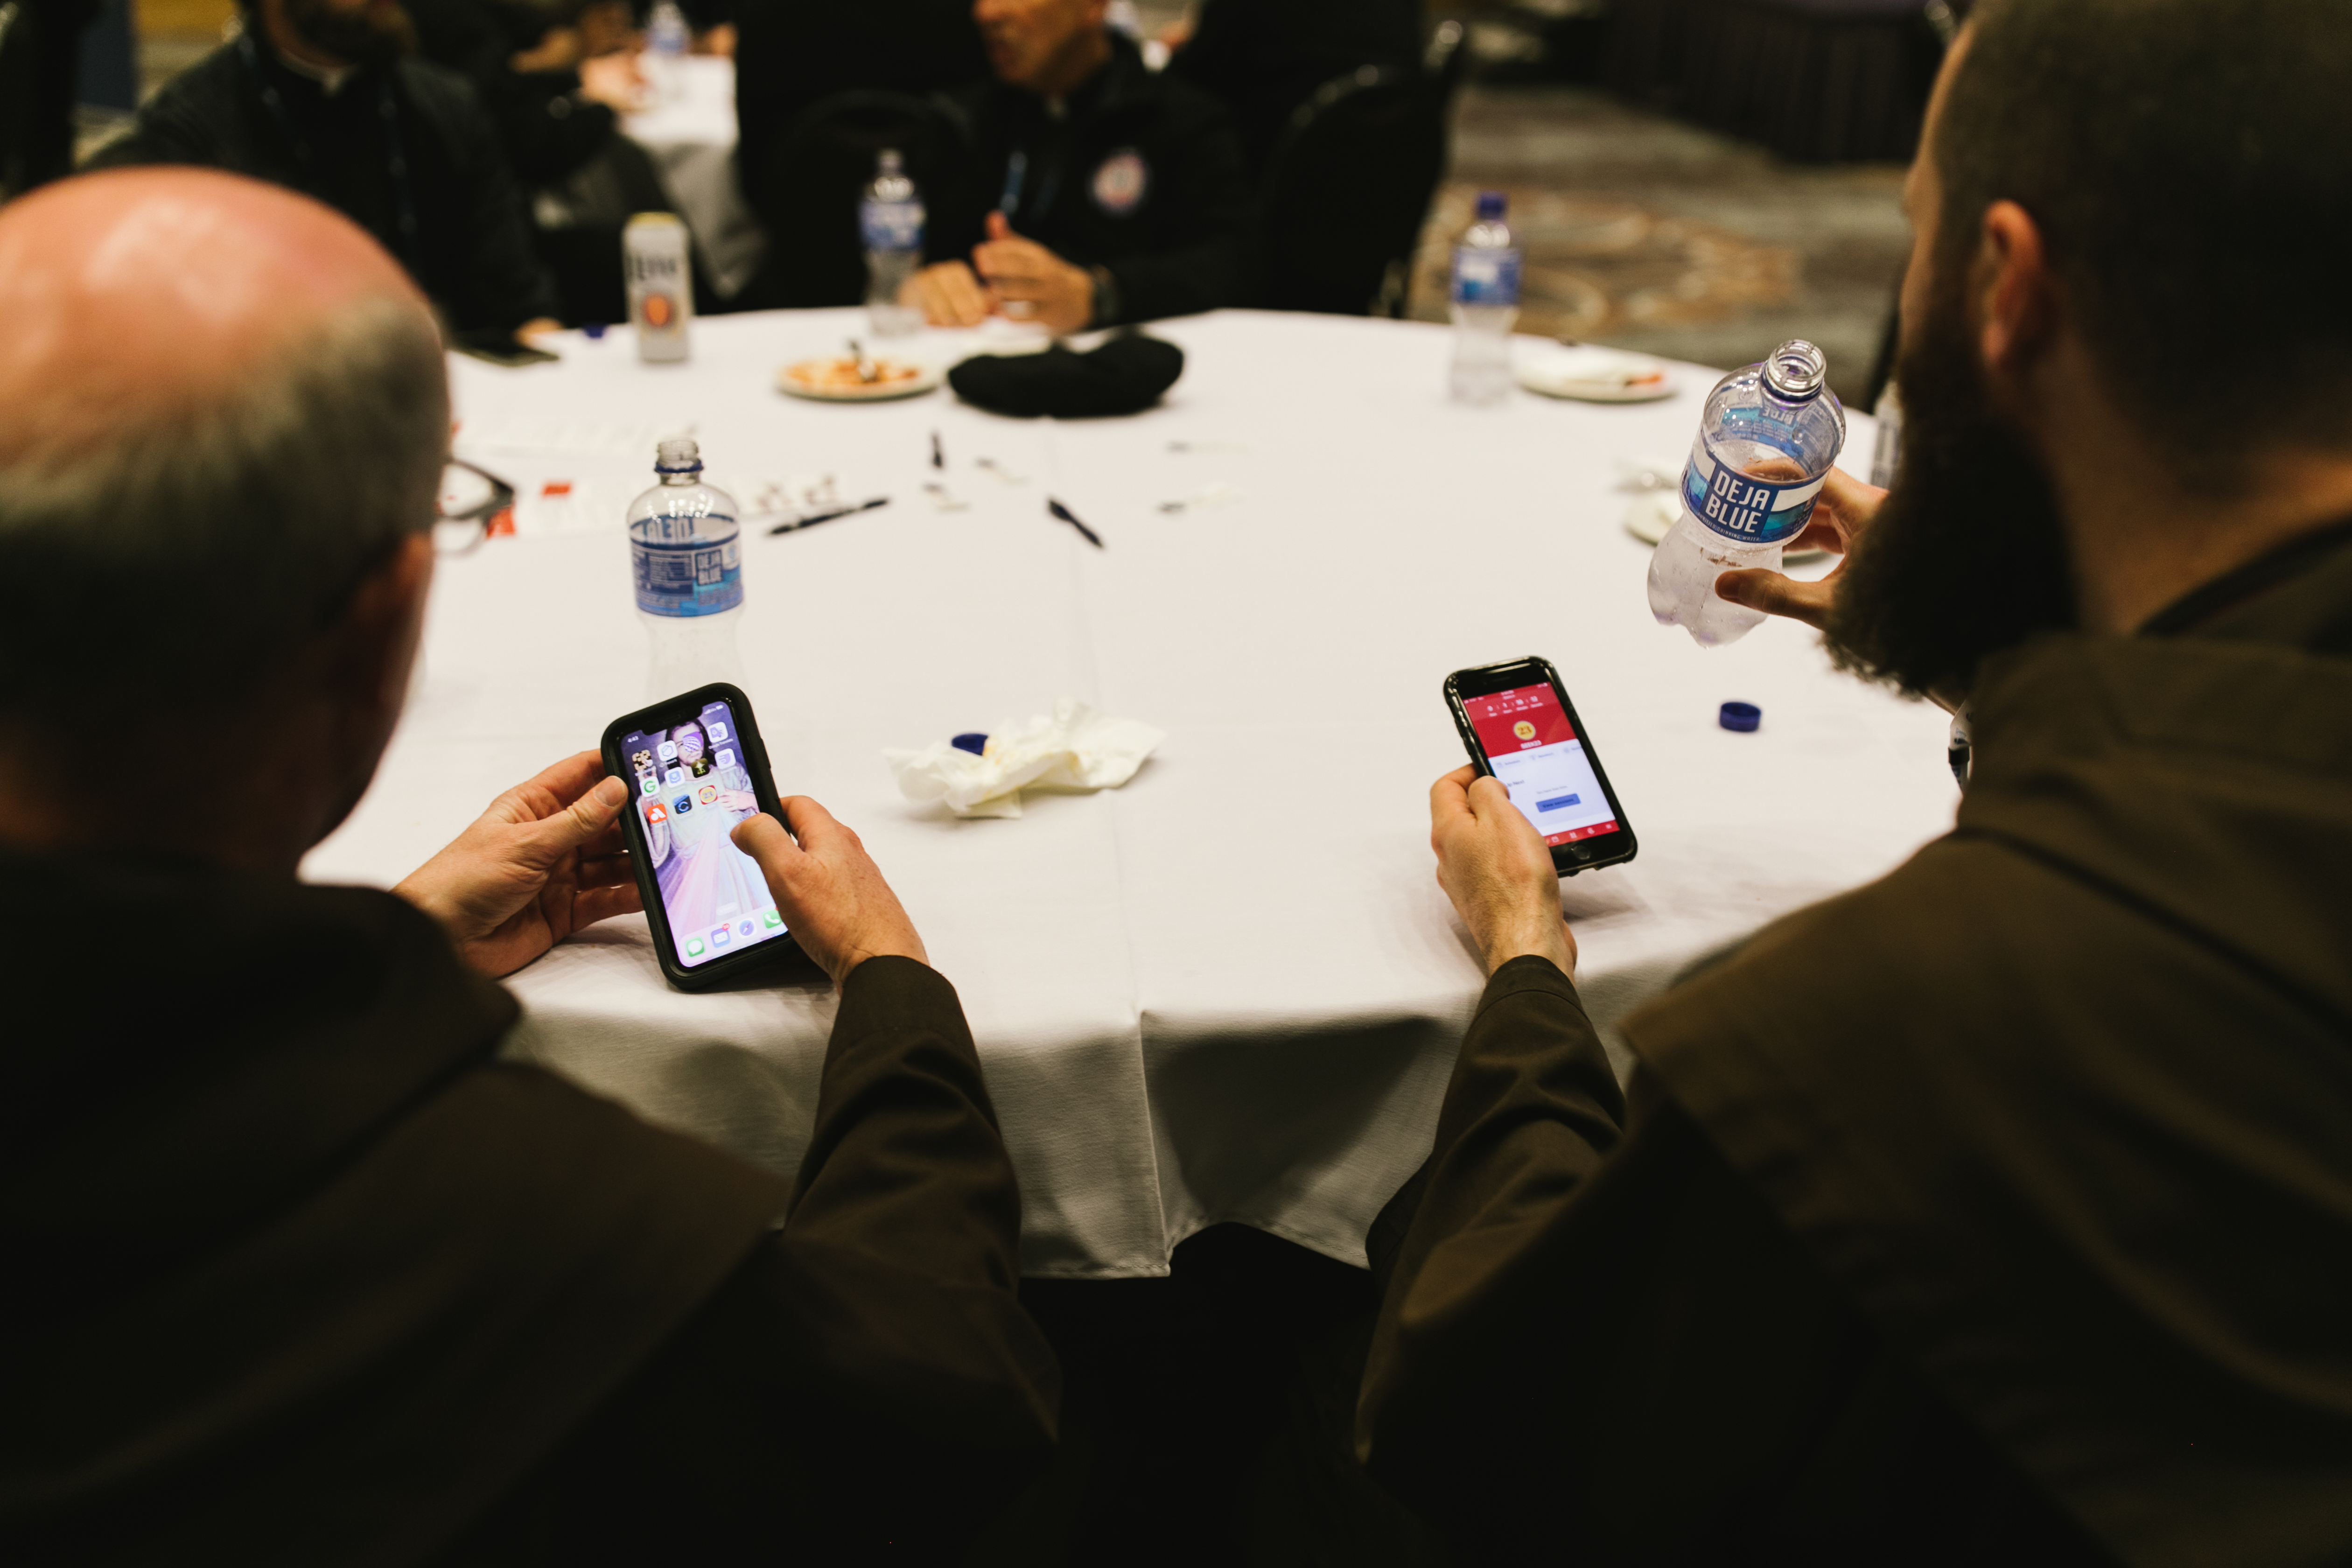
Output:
[[707, 976], [1564, 858]]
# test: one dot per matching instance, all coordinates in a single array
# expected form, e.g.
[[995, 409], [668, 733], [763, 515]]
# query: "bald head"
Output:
[[147, 293], [227, 412]]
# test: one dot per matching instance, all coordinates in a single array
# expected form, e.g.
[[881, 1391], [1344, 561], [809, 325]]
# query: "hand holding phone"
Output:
[[841, 911], [695, 768], [1498, 871], [1518, 726], [542, 862]]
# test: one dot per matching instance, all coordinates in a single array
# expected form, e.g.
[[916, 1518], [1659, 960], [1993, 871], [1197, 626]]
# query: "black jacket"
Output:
[[1143, 176], [1998, 1212], [302, 1272], [456, 222]]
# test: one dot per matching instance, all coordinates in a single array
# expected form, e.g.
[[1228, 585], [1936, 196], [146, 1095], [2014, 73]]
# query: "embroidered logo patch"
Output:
[[1120, 182]]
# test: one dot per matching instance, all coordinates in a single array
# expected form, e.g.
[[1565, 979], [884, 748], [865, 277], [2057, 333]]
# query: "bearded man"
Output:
[[326, 98], [1999, 1211]]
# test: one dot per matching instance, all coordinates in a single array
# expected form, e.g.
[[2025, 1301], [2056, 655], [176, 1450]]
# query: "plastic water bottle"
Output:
[[668, 39], [686, 553], [891, 220], [1768, 433], [1485, 303]]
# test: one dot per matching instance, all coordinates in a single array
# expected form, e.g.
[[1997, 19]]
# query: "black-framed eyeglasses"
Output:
[[469, 501]]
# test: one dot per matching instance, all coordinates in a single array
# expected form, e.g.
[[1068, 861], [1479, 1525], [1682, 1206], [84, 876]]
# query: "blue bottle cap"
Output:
[[593, 329], [1741, 716], [1491, 206], [975, 743]]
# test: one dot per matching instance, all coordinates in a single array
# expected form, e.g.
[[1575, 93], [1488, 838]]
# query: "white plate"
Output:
[[1589, 373], [926, 377]]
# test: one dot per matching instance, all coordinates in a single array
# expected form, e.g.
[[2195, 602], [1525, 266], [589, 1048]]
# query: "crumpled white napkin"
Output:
[[1075, 749]]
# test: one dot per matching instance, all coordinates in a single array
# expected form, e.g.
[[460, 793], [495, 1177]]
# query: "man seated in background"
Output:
[[326, 97], [1118, 195], [300, 1271], [2000, 1211], [1265, 58]]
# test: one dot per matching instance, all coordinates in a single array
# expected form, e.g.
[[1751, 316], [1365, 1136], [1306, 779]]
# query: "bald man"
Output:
[[299, 1270]]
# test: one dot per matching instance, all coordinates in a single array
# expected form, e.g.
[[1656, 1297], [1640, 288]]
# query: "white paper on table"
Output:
[[1076, 747]]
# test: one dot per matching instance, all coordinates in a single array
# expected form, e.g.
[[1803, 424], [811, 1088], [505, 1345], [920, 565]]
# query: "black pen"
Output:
[[1066, 515], [812, 522], [939, 457]]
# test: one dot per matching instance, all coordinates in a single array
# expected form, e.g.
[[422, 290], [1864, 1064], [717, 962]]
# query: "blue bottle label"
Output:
[[688, 576], [891, 226], [1748, 511], [1486, 277]]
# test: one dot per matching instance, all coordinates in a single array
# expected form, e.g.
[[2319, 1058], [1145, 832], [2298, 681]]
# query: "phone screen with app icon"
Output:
[[1535, 753], [692, 784]]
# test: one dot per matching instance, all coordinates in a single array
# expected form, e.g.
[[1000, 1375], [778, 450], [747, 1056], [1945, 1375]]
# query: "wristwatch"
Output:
[[1106, 305]]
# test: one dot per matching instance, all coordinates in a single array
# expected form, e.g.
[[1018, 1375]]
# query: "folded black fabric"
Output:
[[1125, 376]]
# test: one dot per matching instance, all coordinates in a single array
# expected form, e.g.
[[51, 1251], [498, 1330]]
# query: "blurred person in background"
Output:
[[556, 83], [1265, 58], [304, 1267], [1111, 194], [2000, 1211], [330, 98]]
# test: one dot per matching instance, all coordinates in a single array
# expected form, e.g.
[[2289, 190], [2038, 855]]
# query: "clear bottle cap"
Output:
[[1796, 371], [677, 455]]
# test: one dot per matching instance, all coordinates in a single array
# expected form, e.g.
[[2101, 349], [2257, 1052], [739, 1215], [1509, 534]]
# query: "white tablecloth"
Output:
[[690, 133], [1231, 990]]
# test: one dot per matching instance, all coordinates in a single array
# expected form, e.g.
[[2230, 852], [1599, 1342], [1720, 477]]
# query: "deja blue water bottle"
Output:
[[1485, 303], [686, 555], [1768, 433]]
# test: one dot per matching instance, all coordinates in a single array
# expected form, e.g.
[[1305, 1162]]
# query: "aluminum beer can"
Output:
[[661, 284]]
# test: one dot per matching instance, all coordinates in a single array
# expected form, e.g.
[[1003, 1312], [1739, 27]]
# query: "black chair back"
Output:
[[815, 175], [1350, 184]]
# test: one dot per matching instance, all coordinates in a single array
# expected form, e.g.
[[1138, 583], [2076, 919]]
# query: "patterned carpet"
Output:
[[1649, 234]]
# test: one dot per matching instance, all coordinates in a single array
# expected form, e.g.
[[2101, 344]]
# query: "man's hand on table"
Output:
[[1031, 283], [1495, 867], [1841, 515], [949, 294], [615, 81], [544, 862], [831, 894]]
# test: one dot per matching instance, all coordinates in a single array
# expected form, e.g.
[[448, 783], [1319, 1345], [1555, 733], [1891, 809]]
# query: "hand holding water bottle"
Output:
[[1766, 442], [1840, 513]]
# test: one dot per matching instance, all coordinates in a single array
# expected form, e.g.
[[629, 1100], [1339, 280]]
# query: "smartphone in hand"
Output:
[[1520, 728], [695, 768]]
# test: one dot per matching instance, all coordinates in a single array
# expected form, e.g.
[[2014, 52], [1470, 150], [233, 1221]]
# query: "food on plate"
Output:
[[841, 374]]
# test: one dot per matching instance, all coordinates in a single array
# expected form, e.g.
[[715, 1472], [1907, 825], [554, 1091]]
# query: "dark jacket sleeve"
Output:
[[1206, 265], [1601, 1343], [501, 283], [868, 1376]]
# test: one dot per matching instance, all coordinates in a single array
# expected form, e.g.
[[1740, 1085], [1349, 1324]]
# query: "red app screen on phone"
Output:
[[1535, 753]]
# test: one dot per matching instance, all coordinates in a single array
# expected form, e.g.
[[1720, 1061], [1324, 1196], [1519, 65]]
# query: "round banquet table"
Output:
[[1231, 990]]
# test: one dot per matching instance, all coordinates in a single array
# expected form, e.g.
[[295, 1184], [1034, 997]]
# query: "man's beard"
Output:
[[1967, 555], [361, 37]]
